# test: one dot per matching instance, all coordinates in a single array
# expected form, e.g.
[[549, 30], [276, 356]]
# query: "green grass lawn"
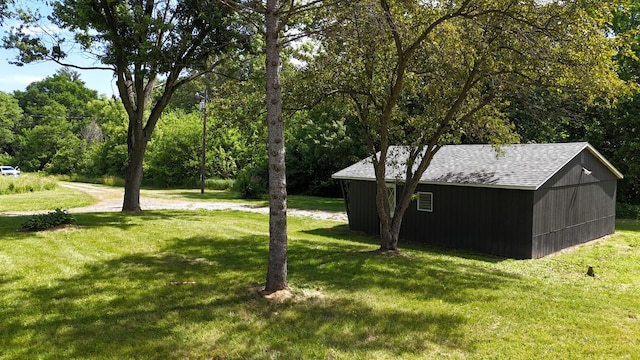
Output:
[[58, 197], [183, 285]]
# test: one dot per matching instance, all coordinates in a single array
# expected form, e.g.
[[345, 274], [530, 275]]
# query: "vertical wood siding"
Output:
[[363, 215], [572, 207], [488, 220]]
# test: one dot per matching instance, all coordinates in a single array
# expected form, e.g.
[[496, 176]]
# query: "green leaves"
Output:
[[49, 220], [411, 68]]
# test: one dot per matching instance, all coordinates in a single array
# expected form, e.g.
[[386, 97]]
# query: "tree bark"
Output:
[[277, 267], [387, 242], [139, 132], [136, 145]]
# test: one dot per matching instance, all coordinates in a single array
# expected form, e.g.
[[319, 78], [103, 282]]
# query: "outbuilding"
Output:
[[519, 201]]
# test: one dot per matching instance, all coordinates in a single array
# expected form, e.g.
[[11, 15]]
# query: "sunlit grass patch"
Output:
[[59, 197], [26, 183], [108, 180], [302, 202]]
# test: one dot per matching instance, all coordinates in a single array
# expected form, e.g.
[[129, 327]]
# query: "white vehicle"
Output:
[[9, 171]]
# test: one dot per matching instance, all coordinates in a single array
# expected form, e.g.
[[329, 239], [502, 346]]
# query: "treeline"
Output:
[[59, 126]]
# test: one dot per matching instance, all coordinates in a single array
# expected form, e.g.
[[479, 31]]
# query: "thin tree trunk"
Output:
[[277, 267], [390, 229]]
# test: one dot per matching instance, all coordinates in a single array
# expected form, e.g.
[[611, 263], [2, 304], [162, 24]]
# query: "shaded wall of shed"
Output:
[[489, 220], [573, 207], [363, 215]]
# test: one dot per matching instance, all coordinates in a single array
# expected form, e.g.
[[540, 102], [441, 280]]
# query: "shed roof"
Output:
[[519, 166]]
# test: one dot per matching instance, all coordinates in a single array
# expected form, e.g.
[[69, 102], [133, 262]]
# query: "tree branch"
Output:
[[394, 29], [62, 63]]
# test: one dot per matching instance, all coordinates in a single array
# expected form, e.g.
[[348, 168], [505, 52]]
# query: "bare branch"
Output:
[[62, 63]]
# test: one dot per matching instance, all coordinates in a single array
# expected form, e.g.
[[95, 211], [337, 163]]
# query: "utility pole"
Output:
[[203, 107]]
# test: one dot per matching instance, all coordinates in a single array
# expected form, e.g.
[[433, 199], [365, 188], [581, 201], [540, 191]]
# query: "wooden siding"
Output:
[[363, 215], [573, 207], [571, 215], [488, 220]]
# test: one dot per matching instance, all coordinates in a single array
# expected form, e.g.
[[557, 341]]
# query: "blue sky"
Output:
[[14, 78]]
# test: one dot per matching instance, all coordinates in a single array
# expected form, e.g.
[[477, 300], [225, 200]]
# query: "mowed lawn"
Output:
[[184, 285]]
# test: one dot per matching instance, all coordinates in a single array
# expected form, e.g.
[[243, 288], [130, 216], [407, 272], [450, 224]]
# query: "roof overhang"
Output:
[[511, 187]]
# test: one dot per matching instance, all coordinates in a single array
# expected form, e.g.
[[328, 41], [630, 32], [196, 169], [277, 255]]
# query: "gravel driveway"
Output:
[[110, 199]]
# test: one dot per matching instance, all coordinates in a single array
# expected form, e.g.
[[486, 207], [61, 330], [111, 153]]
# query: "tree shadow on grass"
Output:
[[133, 306], [342, 232], [192, 299], [427, 277], [126, 220], [11, 226]]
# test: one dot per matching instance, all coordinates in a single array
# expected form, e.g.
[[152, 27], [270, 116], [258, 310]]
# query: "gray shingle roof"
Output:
[[522, 166]]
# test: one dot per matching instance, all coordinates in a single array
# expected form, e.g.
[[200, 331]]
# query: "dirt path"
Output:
[[110, 199]]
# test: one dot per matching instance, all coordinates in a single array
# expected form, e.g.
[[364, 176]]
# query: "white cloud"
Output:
[[20, 79]]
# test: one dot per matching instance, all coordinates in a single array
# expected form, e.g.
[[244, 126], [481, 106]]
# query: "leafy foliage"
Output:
[[219, 184], [173, 157], [628, 211], [65, 89], [57, 125], [319, 143], [55, 116], [11, 117], [543, 115], [4, 9], [108, 154], [49, 220]]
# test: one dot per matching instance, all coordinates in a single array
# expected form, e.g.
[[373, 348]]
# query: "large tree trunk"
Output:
[[387, 242], [136, 146], [277, 267]]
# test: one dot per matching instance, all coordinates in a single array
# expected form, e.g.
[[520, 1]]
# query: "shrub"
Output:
[[218, 184], [49, 220], [6, 159], [251, 183], [627, 211]]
